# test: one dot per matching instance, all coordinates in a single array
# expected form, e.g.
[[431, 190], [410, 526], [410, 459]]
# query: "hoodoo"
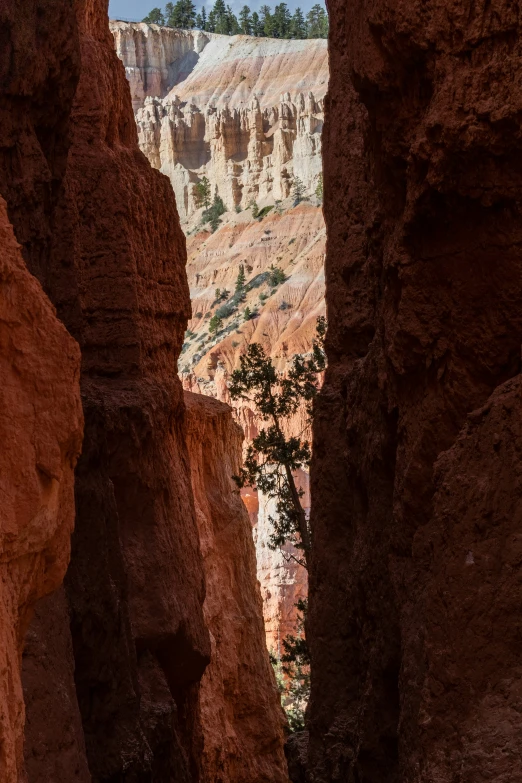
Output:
[[416, 492]]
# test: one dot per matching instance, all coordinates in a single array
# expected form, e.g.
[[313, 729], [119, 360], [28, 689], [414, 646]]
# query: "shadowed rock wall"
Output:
[[416, 490], [240, 707]]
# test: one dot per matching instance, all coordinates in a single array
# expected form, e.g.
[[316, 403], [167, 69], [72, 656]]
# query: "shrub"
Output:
[[276, 276], [264, 212], [225, 311]]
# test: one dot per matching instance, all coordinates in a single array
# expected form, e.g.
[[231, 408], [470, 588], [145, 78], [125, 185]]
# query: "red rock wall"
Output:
[[414, 603], [240, 707], [100, 230], [40, 435]]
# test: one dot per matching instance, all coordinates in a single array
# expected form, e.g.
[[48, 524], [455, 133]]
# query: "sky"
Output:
[[137, 9]]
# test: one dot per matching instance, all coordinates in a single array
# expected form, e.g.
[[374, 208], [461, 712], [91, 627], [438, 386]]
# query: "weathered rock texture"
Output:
[[284, 324], [245, 112], [416, 489], [100, 230], [53, 733], [240, 707], [40, 435]]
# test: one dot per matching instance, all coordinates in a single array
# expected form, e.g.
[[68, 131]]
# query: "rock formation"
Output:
[[40, 432], [113, 661], [415, 580], [241, 718], [245, 112], [285, 324]]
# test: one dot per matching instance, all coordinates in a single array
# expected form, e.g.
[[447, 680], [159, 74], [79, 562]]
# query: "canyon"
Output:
[[247, 114], [114, 661], [134, 649]]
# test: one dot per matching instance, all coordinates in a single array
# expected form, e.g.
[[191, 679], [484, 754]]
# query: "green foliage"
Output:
[[263, 297], [317, 22], [277, 24], [296, 666], [247, 314], [264, 212], [201, 193], [319, 191], [256, 26], [254, 208], [273, 458], [154, 17], [298, 25], [276, 276], [226, 310], [201, 19], [298, 191], [215, 324], [241, 279], [245, 20], [213, 213], [180, 14]]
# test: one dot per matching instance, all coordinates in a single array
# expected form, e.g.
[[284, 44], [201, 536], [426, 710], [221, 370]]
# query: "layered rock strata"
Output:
[[240, 712], [284, 323], [245, 112], [415, 580], [41, 433]]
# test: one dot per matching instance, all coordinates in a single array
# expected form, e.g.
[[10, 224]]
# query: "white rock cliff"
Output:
[[245, 112]]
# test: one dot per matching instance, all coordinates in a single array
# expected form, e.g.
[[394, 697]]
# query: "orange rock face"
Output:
[[240, 709], [99, 227], [40, 432]]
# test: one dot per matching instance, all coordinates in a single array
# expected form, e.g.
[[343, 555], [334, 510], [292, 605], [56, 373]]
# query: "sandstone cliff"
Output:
[[245, 112], [135, 584], [40, 435], [240, 712], [415, 582], [113, 662]]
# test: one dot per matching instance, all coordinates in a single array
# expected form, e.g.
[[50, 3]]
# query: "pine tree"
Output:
[[201, 19], [298, 191], [215, 324], [257, 27], [245, 22], [267, 21], [181, 14], [247, 314], [317, 22], [281, 21], [154, 17], [298, 25], [241, 279], [201, 192], [273, 458]]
